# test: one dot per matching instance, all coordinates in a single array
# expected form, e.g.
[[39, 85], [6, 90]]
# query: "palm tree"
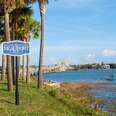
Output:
[[28, 29], [1, 40], [7, 35], [3, 68], [16, 15], [42, 4], [6, 7]]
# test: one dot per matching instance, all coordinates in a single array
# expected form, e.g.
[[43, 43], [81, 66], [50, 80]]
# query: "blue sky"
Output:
[[78, 31]]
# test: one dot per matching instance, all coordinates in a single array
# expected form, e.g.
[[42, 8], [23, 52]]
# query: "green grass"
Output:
[[43, 102]]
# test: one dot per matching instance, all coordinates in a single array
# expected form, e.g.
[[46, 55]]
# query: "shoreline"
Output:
[[91, 89], [92, 85], [78, 70]]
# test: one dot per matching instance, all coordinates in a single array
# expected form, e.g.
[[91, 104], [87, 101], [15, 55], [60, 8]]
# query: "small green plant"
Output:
[[53, 93]]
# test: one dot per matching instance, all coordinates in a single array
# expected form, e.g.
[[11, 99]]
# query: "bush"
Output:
[[53, 93]]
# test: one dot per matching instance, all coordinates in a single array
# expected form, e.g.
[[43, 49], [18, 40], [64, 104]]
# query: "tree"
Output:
[[6, 7], [28, 28], [16, 14], [1, 40], [3, 67], [7, 36], [42, 4]]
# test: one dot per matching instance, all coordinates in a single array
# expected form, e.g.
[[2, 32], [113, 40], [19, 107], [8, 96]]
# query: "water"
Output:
[[90, 76], [81, 75]]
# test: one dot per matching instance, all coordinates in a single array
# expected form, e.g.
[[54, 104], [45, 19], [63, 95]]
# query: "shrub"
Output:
[[53, 92]]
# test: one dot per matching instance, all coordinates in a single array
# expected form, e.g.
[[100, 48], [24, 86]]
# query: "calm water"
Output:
[[81, 75]]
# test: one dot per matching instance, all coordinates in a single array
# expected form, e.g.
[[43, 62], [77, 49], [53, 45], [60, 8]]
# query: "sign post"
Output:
[[17, 86], [16, 48]]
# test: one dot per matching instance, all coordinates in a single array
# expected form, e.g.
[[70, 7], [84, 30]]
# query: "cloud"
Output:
[[109, 53], [91, 57]]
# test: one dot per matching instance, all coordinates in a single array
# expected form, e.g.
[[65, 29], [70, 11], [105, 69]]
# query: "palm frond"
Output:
[[22, 11]]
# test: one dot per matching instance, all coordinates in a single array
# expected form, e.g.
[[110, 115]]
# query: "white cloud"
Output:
[[109, 52], [91, 57]]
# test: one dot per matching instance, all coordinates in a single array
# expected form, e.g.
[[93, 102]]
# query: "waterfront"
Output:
[[100, 87], [81, 75]]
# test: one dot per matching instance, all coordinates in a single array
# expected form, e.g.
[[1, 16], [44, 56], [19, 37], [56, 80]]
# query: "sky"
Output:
[[77, 32]]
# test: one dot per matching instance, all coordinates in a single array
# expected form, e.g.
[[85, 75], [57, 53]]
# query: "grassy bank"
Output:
[[44, 102]]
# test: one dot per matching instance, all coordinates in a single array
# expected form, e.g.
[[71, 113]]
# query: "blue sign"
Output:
[[16, 48]]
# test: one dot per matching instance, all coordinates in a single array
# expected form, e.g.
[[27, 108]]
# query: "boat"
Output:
[[111, 78]]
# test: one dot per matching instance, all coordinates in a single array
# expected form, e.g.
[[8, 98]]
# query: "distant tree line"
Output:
[[112, 65], [92, 66]]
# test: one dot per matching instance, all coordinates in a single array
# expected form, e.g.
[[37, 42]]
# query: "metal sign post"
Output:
[[16, 48], [17, 86]]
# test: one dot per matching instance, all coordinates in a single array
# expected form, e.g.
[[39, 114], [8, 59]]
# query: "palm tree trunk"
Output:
[[7, 35], [40, 74], [3, 68], [27, 67], [23, 68]]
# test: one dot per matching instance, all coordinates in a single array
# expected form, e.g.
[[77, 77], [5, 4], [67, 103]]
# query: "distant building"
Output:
[[58, 67], [106, 66]]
